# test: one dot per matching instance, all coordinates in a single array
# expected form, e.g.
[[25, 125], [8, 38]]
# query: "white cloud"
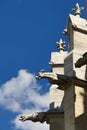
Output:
[[22, 94], [30, 125]]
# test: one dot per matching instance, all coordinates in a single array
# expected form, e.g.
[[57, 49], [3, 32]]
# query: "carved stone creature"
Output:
[[61, 80], [81, 61], [43, 116], [48, 75], [35, 117]]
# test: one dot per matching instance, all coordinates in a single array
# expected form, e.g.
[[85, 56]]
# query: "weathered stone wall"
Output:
[[75, 99], [56, 95]]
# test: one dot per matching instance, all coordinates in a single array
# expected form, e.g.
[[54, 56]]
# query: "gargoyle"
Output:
[[82, 61], [43, 116], [53, 78], [49, 75], [35, 117]]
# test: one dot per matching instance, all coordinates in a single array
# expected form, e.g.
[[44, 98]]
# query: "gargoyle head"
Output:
[[40, 74]]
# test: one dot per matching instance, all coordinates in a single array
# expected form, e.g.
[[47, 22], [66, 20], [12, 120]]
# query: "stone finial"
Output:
[[61, 45], [77, 10], [65, 32]]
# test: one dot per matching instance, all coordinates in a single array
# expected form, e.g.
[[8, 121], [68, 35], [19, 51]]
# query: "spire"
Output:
[[61, 45], [77, 10]]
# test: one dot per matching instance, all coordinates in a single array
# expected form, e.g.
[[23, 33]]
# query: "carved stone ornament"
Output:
[[43, 116], [63, 81], [77, 10], [35, 117], [61, 45], [82, 61]]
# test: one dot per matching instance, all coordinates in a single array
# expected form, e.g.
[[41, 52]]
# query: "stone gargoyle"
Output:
[[63, 81], [43, 116], [35, 117], [53, 78], [82, 61]]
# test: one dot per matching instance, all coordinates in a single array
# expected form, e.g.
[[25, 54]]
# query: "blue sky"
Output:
[[28, 33]]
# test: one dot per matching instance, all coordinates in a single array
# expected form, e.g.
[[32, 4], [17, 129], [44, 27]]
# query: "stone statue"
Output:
[[63, 81], [82, 61], [49, 75], [43, 116], [35, 117], [53, 78]]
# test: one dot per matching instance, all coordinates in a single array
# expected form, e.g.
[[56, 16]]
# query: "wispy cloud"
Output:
[[30, 125], [21, 94]]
